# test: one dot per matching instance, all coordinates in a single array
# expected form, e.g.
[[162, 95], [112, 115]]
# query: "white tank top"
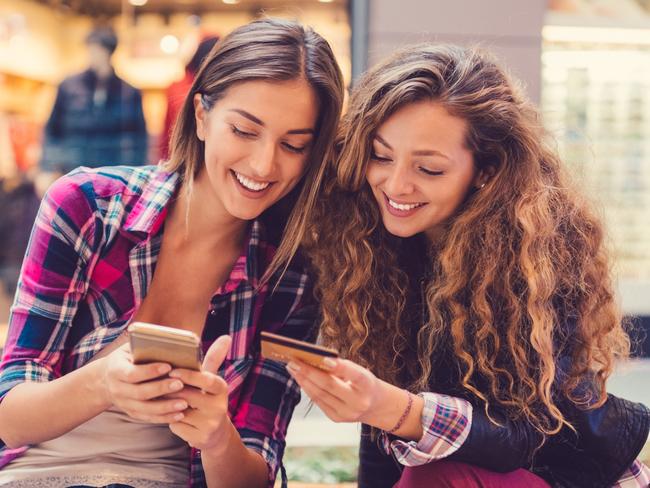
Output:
[[109, 448]]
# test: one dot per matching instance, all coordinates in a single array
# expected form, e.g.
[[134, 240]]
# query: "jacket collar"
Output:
[[148, 215]]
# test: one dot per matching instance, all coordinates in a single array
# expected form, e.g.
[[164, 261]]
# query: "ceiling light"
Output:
[[169, 44], [138, 3], [230, 2]]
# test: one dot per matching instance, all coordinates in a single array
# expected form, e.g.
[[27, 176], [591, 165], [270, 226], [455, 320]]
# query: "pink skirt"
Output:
[[443, 474]]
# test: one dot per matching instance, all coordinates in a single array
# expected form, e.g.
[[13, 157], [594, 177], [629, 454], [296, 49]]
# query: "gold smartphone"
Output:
[[152, 343], [285, 349]]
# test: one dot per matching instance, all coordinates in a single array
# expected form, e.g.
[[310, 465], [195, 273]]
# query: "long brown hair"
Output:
[[271, 50], [518, 292]]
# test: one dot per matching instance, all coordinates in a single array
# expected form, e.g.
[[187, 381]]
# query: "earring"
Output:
[[481, 187]]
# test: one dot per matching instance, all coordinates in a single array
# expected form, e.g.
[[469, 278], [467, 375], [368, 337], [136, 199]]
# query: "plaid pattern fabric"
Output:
[[89, 264], [637, 476], [446, 422]]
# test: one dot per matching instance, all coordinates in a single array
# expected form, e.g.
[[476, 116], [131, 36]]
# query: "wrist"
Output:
[[387, 406], [98, 384], [224, 441]]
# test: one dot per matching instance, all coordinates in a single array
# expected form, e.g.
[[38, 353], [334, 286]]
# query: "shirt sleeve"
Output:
[[636, 476], [270, 394], [50, 287], [446, 423]]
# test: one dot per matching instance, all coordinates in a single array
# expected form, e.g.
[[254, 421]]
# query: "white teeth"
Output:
[[250, 184], [403, 207]]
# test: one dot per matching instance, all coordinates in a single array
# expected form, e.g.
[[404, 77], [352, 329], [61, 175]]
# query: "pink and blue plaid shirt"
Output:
[[446, 422], [89, 264]]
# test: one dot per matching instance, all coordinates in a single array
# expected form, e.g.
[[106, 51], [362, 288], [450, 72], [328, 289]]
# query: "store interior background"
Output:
[[586, 62]]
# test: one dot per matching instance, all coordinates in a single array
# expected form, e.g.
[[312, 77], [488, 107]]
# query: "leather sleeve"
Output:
[[608, 440], [498, 448]]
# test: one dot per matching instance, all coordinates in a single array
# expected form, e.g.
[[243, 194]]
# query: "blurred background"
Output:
[[585, 62]]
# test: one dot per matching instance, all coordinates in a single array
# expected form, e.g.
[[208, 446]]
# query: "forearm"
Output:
[[69, 401], [393, 404], [233, 464]]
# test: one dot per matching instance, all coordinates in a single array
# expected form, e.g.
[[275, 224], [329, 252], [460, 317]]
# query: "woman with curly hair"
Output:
[[467, 285]]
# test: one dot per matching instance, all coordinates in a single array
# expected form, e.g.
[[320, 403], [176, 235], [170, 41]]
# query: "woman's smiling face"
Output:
[[421, 169], [257, 138]]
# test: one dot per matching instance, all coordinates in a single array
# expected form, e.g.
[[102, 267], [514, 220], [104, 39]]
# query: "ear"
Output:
[[483, 176], [200, 116]]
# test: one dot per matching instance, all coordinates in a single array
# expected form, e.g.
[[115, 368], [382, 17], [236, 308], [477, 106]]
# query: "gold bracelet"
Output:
[[405, 414]]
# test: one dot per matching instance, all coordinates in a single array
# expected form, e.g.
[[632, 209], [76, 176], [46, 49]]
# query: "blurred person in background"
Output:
[[97, 118], [19, 202], [177, 91]]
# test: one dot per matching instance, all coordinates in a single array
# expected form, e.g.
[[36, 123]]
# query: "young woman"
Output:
[[204, 243], [456, 262]]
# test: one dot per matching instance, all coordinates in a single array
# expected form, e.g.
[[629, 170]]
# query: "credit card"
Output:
[[286, 349]]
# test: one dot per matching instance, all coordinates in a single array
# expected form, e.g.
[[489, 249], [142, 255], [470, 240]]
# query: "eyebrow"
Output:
[[422, 152], [257, 121]]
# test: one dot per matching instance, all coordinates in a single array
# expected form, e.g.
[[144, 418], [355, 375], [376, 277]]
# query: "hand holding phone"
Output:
[[157, 343], [285, 349]]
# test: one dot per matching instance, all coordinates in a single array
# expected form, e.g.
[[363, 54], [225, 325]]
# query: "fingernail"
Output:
[[176, 385], [175, 374], [164, 368], [180, 406], [329, 363], [293, 367], [178, 416]]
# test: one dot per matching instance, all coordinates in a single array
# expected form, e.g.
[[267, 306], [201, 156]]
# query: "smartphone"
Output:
[[157, 343], [286, 349]]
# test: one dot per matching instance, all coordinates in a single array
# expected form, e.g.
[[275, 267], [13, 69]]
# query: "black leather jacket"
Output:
[[609, 440]]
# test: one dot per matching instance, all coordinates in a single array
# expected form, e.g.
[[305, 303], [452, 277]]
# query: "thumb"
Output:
[[216, 354]]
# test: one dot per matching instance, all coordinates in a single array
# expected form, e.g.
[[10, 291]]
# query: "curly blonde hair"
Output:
[[518, 291]]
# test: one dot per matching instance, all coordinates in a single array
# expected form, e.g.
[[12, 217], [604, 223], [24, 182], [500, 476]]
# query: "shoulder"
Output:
[[107, 181], [126, 88], [83, 190], [74, 82]]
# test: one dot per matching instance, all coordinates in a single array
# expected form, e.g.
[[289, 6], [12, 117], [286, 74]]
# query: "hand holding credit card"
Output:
[[286, 349]]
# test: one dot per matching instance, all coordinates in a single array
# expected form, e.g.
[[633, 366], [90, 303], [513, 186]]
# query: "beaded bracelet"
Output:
[[405, 414]]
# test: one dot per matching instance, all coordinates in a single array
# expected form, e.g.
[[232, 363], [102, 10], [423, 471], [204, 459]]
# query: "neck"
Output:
[[103, 72], [434, 234], [201, 219]]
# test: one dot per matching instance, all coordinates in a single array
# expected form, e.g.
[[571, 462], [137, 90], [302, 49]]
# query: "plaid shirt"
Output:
[[446, 422], [89, 264]]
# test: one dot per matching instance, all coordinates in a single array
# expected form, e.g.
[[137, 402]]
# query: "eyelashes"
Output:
[[426, 171], [250, 135], [235, 130], [380, 159], [431, 172]]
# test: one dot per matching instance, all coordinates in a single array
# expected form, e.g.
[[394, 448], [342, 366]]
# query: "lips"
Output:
[[250, 188], [402, 209]]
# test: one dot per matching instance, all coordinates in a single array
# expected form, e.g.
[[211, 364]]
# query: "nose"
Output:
[[398, 181], [263, 161]]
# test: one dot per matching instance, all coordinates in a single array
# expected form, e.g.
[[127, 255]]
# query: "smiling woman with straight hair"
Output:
[[206, 242]]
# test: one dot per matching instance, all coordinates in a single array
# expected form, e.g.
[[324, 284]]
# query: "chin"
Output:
[[244, 212], [400, 231], [244, 215]]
